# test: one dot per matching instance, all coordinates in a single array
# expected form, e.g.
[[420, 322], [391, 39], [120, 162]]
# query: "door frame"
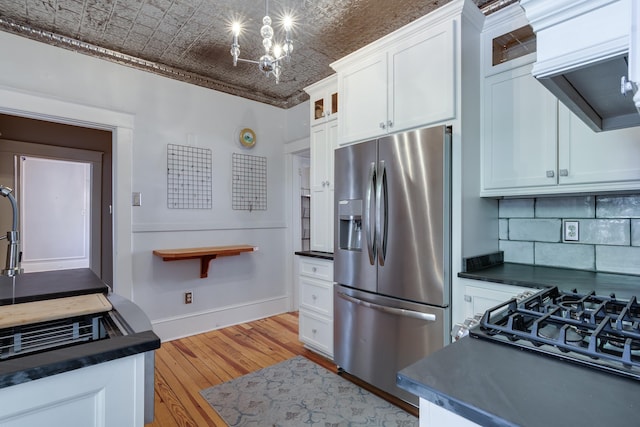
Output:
[[121, 125]]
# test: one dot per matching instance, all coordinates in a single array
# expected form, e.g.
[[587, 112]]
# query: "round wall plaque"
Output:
[[247, 137]]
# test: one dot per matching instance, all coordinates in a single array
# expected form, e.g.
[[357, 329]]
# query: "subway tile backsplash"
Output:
[[531, 232]]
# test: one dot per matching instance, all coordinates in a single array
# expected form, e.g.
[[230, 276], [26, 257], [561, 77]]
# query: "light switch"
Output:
[[136, 199]]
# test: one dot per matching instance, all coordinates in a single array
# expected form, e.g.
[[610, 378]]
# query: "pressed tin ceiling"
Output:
[[189, 40]]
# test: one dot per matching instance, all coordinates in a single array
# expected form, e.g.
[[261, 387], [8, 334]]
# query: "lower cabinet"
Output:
[[109, 394], [484, 296], [316, 305], [433, 415]]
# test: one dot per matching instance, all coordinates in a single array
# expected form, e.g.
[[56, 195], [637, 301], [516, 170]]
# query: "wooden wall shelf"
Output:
[[204, 254]]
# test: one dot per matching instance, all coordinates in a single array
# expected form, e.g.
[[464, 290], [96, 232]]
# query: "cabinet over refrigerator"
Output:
[[392, 254]]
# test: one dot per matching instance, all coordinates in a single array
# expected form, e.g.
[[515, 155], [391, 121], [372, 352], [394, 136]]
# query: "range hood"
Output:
[[588, 55]]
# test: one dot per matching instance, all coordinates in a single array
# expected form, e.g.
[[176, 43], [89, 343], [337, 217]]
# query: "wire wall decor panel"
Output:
[[189, 177], [249, 183]]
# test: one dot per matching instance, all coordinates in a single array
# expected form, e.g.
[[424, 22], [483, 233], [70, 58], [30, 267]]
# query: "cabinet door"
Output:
[[319, 189], [332, 144], [596, 157], [519, 135], [363, 99], [479, 299], [324, 106], [108, 394], [422, 71], [319, 157], [323, 144]]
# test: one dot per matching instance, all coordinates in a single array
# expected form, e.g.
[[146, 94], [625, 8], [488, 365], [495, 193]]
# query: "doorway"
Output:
[[33, 138], [55, 214]]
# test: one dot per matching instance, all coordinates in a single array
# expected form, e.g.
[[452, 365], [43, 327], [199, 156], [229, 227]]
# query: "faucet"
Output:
[[14, 256]]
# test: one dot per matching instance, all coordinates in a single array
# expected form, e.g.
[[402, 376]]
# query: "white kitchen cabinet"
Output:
[[605, 160], [483, 296], [433, 415], [316, 304], [531, 143], [323, 144], [402, 81], [323, 97], [108, 394], [519, 131]]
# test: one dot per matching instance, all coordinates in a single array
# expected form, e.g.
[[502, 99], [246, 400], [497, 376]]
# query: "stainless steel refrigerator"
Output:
[[392, 254]]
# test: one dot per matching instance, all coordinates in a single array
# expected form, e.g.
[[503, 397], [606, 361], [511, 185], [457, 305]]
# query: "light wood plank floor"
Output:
[[188, 365]]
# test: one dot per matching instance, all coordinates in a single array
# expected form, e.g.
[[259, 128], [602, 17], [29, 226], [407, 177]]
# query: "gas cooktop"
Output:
[[597, 331]]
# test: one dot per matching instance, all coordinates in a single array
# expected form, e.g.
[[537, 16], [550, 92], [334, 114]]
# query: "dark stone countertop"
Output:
[[623, 285], [316, 254], [139, 336], [50, 284], [493, 384]]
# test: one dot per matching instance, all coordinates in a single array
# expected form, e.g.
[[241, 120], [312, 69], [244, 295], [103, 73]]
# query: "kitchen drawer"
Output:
[[316, 295], [317, 332], [317, 268]]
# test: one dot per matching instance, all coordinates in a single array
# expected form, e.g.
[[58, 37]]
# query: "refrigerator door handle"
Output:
[[368, 226], [381, 213], [390, 310]]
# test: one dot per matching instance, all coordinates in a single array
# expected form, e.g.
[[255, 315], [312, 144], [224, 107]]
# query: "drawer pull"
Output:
[[314, 269], [314, 297], [313, 331]]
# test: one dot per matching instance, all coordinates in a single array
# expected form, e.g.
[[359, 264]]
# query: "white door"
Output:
[[54, 214]]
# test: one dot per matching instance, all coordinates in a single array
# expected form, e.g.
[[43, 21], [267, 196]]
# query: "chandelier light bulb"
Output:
[[288, 23], [277, 51]]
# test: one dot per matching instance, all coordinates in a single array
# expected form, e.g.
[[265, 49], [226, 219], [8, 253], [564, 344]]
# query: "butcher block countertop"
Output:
[[27, 313]]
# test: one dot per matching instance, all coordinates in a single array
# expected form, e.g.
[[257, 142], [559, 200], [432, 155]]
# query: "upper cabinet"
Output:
[[586, 58], [324, 101], [531, 143], [402, 81], [324, 134]]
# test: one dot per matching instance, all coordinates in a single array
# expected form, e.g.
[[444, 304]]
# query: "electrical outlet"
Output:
[[188, 297], [571, 231]]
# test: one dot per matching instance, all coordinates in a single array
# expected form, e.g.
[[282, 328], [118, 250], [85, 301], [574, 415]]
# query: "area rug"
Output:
[[298, 392]]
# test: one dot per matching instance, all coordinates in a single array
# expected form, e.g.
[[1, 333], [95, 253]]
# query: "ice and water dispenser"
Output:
[[350, 228]]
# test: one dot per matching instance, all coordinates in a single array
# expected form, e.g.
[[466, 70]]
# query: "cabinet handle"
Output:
[[467, 298], [327, 183], [314, 269], [550, 174], [313, 331], [382, 125], [564, 172], [390, 124], [314, 297]]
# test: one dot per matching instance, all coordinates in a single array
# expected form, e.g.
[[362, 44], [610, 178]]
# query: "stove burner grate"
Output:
[[601, 332]]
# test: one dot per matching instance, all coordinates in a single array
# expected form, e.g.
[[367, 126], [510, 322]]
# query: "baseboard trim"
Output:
[[172, 328]]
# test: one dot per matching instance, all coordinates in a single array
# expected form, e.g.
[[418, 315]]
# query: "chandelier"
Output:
[[274, 54]]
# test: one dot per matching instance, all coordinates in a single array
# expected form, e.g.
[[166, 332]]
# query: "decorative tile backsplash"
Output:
[[532, 232]]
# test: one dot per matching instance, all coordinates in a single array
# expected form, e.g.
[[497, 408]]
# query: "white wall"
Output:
[[171, 112]]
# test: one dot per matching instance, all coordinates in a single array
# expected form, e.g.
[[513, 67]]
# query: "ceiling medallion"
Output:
[[271, 61]]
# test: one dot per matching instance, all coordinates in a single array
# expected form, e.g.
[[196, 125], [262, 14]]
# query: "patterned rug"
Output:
[[298, 392]]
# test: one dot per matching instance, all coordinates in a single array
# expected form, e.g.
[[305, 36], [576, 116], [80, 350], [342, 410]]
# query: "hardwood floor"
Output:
[[188, 365]]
